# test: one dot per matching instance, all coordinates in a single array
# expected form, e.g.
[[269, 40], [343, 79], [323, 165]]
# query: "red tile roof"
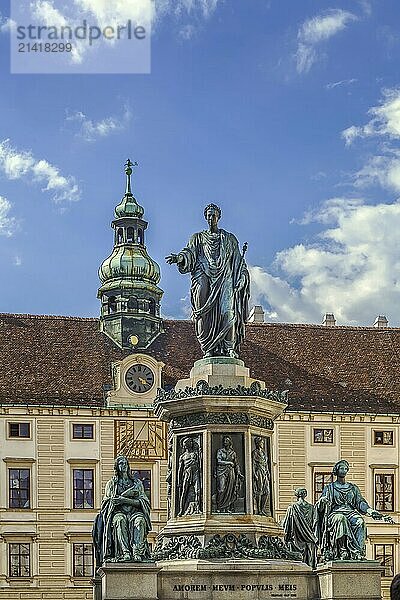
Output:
[[66, 360]]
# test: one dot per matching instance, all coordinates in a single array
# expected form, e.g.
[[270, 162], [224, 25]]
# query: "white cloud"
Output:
[[352, 270], [8, 224], [6, 24], [91, 130], [317, 30], [17, 261], [383, 170], [342, 82], [385, 119], [44, 12], [21, 164], [187, 32], [383, 167], [203, 7]]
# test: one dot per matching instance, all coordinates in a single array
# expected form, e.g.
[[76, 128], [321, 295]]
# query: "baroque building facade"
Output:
[[75, 393]]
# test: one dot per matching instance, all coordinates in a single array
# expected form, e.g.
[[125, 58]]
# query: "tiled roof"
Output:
[[66, 360]]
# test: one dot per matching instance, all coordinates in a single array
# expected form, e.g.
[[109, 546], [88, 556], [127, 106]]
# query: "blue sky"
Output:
[[286, 114]]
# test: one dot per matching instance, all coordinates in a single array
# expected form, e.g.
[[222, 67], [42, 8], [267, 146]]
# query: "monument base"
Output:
[[240, 580], [129, 581], [350, 580]]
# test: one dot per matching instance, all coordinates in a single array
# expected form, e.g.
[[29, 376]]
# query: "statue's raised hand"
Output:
[[171, 259]]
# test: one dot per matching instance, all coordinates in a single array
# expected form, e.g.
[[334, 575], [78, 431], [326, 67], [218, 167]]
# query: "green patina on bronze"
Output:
[[130, 296]]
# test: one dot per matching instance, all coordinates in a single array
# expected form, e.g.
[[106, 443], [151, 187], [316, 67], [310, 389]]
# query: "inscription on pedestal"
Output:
[[273, 590]]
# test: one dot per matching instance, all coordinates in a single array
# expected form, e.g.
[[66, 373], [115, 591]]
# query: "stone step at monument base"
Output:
[[238, 579]]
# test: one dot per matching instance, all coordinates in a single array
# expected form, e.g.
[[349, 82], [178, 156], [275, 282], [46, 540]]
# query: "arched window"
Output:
[[112, 304], [140, 236], [133, 303], [152, 307], [120, 236], [130, 235]]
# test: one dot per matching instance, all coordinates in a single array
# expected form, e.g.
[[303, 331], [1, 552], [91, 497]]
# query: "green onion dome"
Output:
[[130, 262], [128, 207]]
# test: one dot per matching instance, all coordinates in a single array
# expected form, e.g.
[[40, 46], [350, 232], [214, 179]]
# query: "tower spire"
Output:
[[129, 292], [128, 171]]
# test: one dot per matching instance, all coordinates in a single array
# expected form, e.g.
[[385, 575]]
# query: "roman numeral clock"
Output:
[[139, 378], [134, 381]]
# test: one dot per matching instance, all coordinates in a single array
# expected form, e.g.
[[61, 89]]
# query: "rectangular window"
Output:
[[83, 488], [145, 477], [19, 430], [82, 432], [19, 488], [83, 560], [321, 478], [383, 438], [323, 436], [384, 491], [384, 553], [19, 562]]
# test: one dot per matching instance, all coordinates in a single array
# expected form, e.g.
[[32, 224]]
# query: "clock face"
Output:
[[139, 378]]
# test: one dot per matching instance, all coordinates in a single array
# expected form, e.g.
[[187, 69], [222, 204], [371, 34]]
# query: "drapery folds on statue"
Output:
[[121, 527], [220, 287]]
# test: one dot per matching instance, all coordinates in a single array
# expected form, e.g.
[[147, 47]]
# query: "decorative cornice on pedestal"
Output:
[[260, 411], [224, 547], [203, 389], [220, 418]]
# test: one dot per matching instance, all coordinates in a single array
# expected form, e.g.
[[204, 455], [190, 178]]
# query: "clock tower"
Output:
[[129, 292]]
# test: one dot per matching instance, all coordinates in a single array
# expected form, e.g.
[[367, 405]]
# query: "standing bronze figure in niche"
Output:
[[220, 286], [299, 525], [189, 478], [261, 478], [229, 477]]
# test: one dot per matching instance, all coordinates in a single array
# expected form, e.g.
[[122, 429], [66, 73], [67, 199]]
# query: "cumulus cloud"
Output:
[[8, 224], [352, 269], [382, 170], [313, 32], [91, 131], [21, 164], [385, 119], [383, 167]]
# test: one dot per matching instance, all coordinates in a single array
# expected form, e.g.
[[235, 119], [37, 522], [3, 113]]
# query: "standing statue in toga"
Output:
[[220, 286]]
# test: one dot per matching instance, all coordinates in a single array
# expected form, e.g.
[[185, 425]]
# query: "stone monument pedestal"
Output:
[[350, 580], [240, 580], [129, 581], [219, 400]]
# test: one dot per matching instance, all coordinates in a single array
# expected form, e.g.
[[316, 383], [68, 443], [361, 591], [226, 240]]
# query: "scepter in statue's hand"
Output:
[[239, 285]]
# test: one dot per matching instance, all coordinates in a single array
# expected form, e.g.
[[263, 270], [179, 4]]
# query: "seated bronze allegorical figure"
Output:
[[121, 527], [340, 524]]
